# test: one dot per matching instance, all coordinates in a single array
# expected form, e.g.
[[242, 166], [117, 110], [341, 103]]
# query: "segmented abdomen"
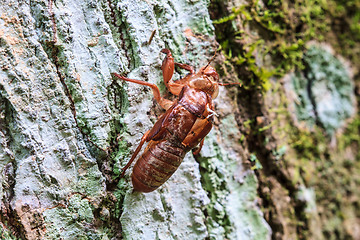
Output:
[[158, 162]]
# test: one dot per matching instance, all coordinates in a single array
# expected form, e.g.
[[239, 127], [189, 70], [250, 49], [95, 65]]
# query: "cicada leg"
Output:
[[167, 67], [164, 103], [143, 140], [197, 150]]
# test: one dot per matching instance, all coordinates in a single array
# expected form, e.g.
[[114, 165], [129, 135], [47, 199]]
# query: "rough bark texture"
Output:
[[67, 127]]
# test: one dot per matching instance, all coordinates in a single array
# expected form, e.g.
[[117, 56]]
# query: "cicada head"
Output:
[[206, 80]]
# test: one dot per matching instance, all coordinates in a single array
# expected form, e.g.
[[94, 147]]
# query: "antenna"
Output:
[[210, 61], [226, 84]]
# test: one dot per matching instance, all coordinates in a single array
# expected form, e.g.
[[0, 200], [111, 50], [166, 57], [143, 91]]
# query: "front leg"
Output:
[[186, 67], [167, 67]]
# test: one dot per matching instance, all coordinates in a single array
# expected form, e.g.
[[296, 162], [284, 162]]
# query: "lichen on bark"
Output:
[[325, 94]]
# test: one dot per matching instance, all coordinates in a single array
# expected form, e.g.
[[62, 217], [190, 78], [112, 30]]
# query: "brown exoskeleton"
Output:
[[181, 128]]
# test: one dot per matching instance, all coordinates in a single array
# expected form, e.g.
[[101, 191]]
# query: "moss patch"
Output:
[[268, 39]]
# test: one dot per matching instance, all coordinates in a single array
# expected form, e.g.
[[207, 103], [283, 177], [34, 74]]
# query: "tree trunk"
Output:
[[67, 126]]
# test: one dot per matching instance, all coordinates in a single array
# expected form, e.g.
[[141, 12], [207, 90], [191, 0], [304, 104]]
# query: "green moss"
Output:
[[6, 234], [232, 16], [266, 39], [284, 28], [347, 15], [351, 135], [319, 166], [257, 164], [330, 172]]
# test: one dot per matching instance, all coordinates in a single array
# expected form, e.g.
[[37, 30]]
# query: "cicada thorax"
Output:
[[182, 128]]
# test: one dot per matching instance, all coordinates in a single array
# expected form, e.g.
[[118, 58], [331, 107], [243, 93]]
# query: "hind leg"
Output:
[[143, 139]]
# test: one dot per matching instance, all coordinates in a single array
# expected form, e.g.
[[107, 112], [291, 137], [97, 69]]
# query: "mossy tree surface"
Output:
[[67, 127], [298, 61]]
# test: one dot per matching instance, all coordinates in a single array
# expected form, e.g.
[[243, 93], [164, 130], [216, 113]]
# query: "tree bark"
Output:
[[67, 127]]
